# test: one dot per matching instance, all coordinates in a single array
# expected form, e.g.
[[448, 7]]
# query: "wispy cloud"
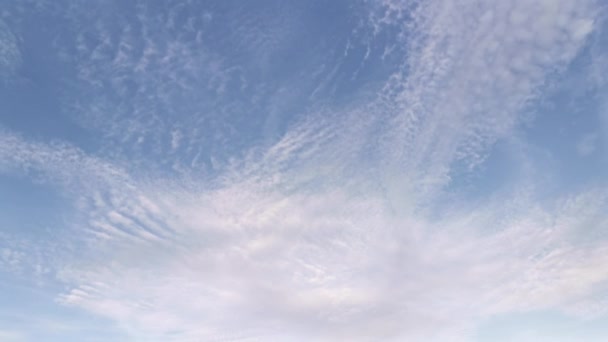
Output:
[[339, 229], [324, 263], [10, 56], [471, 70]]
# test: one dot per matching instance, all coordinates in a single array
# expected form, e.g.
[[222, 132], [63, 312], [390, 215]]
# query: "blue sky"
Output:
[[303, 170]]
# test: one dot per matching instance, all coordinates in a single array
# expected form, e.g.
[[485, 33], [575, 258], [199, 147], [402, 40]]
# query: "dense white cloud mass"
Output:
[[220, 193]]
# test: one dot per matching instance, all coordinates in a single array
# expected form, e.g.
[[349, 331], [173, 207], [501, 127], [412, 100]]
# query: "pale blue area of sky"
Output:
[[29, 309], [542, 326]]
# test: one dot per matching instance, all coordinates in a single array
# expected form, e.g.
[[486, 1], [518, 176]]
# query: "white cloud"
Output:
[[335, 265], [59, 162], [10, 54], [330, 233], [471, 70], [270, 257]]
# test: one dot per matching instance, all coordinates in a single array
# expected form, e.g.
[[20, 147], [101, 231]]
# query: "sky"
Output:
[[345, 170]]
